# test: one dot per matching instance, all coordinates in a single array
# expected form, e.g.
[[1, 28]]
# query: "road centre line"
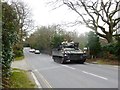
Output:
[[69, 67], [43, 79], [95, 75], [36, 81], [87, 73]]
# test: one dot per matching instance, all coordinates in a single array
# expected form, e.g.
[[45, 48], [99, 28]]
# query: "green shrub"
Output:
[[111, 50], [117, 50], [94, 44], [18, 53], [18, 50]]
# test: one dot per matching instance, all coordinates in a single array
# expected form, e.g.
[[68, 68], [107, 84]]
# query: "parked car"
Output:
[[32, 50], [37, 52]]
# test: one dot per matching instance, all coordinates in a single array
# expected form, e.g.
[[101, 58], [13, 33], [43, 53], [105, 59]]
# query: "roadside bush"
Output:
[[18, 53], [117, 50], [111, 51], [18, 50]]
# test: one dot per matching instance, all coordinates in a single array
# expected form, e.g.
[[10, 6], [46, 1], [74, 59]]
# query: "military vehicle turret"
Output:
[[68, 51]]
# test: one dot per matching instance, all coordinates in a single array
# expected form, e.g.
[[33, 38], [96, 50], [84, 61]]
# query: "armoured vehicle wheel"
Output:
[[81, 62], [54, 58], [62, 60]]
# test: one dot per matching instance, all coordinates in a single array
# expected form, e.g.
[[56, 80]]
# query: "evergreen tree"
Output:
[[93, 44], [9, 38], [56, 41]]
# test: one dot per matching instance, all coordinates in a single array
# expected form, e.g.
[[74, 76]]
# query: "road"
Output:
[[72, 75]]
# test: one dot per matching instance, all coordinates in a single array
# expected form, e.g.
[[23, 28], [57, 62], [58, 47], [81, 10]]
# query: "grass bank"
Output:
[[20, 79], [103, 61], [19, 58]]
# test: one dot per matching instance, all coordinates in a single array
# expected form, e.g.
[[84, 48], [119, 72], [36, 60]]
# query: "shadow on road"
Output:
[[70, 63]]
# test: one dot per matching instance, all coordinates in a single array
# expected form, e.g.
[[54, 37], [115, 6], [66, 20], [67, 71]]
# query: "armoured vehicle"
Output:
[[68, 51]]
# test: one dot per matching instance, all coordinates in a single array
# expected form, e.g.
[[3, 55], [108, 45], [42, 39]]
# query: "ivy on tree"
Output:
[[93, 44], [9, 36]]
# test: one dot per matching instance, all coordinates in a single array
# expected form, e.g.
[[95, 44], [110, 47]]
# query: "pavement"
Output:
[[21, 64], [49, 74]]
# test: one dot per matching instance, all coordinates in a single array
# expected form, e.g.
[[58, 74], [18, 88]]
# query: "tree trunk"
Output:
[[109, 38]]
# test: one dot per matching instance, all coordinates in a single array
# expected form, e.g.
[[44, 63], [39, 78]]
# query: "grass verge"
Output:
[[103, 61], [20, 79], [19, 58]]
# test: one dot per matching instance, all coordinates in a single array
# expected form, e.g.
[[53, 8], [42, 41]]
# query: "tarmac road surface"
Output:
[[50, 74]]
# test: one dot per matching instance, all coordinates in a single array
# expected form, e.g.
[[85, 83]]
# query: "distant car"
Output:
[[32, 50], [37, 52]]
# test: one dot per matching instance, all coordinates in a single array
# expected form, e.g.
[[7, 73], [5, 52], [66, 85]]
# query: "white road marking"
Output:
[[69, 67], [36, 81], [43, 79], [95, 75], [87, 63], [87, 73], [115, 66], [35, 70]]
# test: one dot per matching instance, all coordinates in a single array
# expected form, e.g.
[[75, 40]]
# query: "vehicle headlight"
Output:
[[65, 54]]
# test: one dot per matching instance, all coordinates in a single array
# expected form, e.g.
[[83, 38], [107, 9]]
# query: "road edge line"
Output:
[[36, 81], [43, 79]]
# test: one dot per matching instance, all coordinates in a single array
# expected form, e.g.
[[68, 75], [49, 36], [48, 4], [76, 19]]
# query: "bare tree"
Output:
[[25, 22], [101, 16]]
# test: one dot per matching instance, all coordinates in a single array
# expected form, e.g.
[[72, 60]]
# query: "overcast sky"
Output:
[[43, 15]]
